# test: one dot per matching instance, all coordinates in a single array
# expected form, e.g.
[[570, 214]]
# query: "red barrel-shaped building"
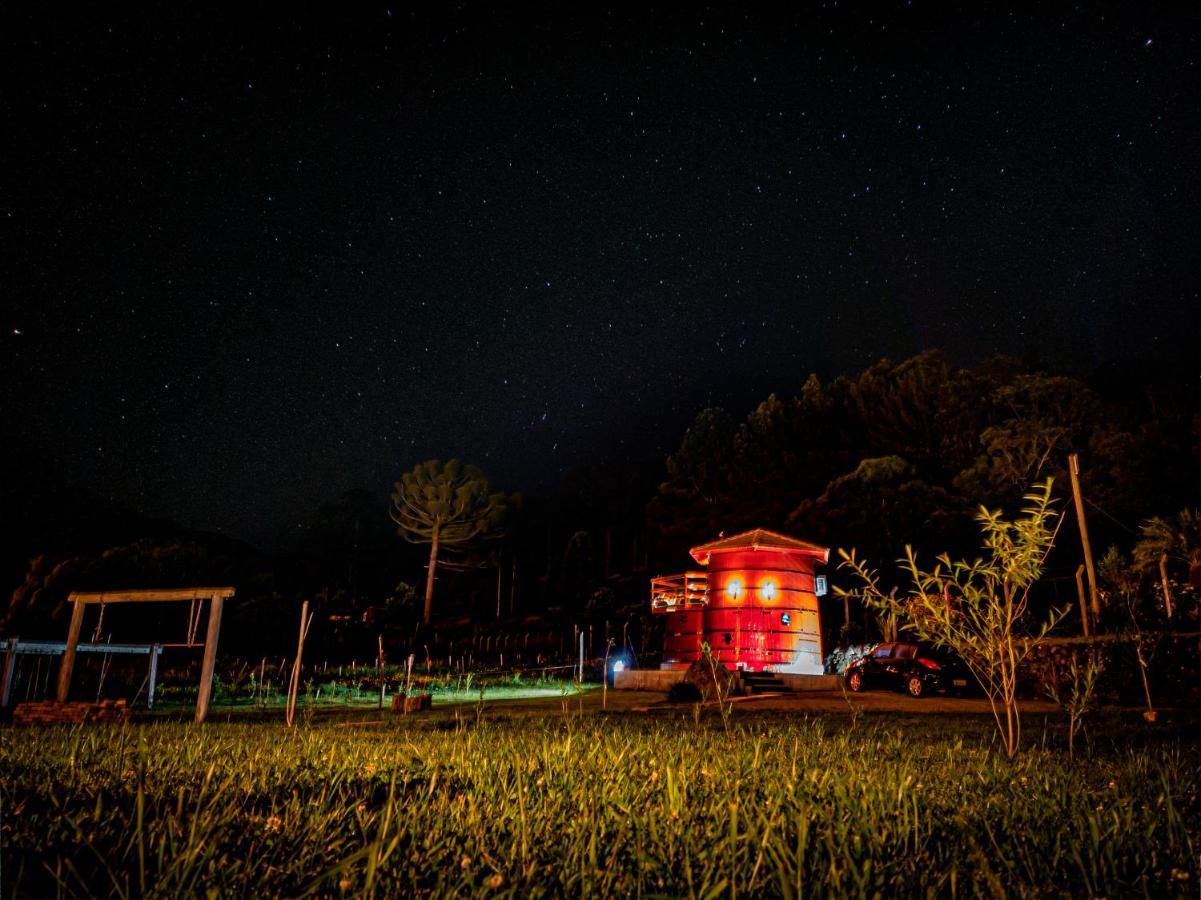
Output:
[[755, 605]]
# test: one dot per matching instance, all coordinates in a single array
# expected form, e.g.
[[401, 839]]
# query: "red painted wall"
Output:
[[769, 621], [682, 636]]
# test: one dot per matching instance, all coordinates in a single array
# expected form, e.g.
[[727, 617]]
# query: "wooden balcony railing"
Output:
[[687, 590]]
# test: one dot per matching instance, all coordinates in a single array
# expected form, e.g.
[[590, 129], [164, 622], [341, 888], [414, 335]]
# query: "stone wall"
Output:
[[647, 679]]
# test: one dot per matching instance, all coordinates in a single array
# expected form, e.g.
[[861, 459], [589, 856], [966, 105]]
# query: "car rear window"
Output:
[[905, 651], [938, 654]]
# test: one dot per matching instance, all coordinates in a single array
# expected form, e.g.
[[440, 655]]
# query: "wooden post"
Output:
[[1080, 594], [380, 670], [500, 568], [10, 664], [605, 676], [68, 663], [210, 658], [513, 586], [1163, 581], [155, 650], [1074, 471], [294, 683]]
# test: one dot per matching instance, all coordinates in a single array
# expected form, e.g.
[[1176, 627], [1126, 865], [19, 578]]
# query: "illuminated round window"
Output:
[[734, 589], [769, 591]]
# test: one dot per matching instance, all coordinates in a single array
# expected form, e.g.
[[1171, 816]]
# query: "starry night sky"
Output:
[[251, 260]]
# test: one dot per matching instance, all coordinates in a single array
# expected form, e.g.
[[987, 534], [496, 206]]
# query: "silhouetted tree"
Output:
[[1036, 421], [697, 493], [920, 409], [1178, 539], [346, 545], [883, 505], [446, 505]]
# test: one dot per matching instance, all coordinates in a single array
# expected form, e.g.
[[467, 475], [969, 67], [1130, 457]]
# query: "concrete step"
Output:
[[762, 683]]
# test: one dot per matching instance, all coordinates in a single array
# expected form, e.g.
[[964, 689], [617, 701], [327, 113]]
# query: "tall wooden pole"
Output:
[[68, 663], [210, 658], [1074, 471], [294, 681]]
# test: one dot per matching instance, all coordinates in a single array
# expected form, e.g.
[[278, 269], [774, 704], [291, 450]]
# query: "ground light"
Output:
[[616, 666]]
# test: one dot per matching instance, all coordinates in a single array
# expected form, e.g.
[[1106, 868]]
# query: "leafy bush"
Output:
[[974, 607], [1175, 672]]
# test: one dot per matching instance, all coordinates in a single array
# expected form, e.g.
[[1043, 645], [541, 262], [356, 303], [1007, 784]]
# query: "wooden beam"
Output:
[[68, 663], [151, 596], [210, 657]]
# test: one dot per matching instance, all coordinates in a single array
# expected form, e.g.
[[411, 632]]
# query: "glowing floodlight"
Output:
[[734, 589], [769, 591], [618, 666]]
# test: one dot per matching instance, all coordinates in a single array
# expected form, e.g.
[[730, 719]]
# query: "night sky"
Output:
[[252, 260]]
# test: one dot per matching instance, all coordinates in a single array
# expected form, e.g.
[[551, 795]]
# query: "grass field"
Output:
[[544, 800]]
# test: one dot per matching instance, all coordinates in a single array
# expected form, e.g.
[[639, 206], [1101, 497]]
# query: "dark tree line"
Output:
[[902, 452]]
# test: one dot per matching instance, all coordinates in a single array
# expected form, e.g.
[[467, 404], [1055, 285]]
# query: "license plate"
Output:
[[959, 682]]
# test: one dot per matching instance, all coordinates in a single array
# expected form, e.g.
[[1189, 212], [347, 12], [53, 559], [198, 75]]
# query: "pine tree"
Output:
[[445, 505]]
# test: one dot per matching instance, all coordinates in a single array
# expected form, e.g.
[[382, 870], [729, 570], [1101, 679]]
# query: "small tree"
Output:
[[1164, 543], [1074, 690], [973, 608], [444, 505], [1120, 579]]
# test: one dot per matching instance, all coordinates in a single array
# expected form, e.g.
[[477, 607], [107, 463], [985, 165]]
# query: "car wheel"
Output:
[[855, 681], [915, 686]]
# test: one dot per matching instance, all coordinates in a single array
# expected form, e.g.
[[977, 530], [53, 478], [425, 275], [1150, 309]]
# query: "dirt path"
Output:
[[882, 701], [798, 702]]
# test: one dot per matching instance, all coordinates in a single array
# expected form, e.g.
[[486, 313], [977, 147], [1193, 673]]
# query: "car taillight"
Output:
[[929, 664]]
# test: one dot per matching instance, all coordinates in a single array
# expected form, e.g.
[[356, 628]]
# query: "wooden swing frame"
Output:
[[216, 597]]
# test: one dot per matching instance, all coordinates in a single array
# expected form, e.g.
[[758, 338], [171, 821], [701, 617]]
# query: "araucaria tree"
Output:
[[445, 505], [974, 608]]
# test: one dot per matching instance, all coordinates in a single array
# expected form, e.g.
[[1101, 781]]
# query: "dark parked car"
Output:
[[913, 668]]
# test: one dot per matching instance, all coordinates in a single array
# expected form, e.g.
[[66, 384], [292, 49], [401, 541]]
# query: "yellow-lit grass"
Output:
[[591, 807]]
